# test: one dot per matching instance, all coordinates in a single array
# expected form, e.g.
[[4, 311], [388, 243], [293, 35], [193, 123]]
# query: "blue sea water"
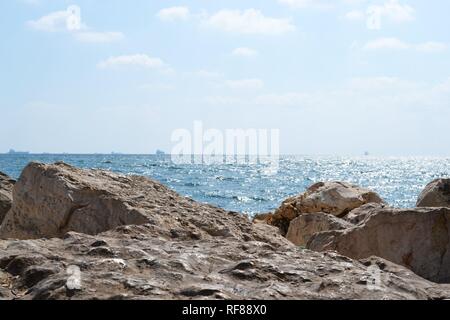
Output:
[[245, 188]]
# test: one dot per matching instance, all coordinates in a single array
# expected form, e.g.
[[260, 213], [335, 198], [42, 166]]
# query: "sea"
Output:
[[247, 188]]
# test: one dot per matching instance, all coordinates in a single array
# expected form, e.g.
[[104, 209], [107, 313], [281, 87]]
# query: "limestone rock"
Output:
[[304, 226], [435, 194], [382, 271], [418, 239], [6, 187], [360, 214], [179, 250], [276, 219], [130, 263], [50, 200], [336, 198]]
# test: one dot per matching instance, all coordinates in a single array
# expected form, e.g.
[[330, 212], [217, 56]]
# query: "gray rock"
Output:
[[358, 215], [50, 200], [183, 249], [6, 188], [335, 198], [435, 194], [304, 226], [418, 239], [149, 267]]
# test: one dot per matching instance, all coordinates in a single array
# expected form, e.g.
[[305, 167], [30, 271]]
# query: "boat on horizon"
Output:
[[160, 153], [12, 151]]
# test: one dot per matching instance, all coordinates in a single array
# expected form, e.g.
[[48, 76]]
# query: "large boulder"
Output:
[[6, 187], [435, 194], [304, 226], [51, 200], [418, 239], [335, 198]]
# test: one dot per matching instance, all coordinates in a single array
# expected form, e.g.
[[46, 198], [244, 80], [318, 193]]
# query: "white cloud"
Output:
[[355, 15], [244, 52], [222, 100], [99, 37], [174, 13], [157, 87], [208, 74], [386, 43], [66, 20], [391, 10], [250, 21], [69, 20], [302, 4], [384, 83], [290, 99], [353, 2], [31, 2], [397, 44], [369, 93], [140, 60], [245, 84], [443, 87], [432, 47]]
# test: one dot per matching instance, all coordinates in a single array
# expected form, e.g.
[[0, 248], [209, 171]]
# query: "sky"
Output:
[[335, 77]]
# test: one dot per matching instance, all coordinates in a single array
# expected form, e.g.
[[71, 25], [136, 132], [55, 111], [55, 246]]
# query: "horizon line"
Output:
[[26, 153]]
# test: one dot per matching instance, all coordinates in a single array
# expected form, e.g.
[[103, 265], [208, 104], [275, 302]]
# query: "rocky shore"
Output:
[[68, 233]]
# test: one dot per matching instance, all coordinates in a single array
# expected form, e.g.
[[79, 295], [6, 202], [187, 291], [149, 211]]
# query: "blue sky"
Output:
[[336, 77]]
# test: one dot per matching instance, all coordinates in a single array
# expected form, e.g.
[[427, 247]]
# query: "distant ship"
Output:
[[12, 151], [160, 153], [367, 153]]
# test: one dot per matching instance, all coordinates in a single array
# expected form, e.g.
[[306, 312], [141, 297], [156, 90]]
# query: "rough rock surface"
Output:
[[50, 200], [360, 214], [435, 194], [6, 187], [183, 250], [132, 262], [336, 198], [304, 226], [418, 239]]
